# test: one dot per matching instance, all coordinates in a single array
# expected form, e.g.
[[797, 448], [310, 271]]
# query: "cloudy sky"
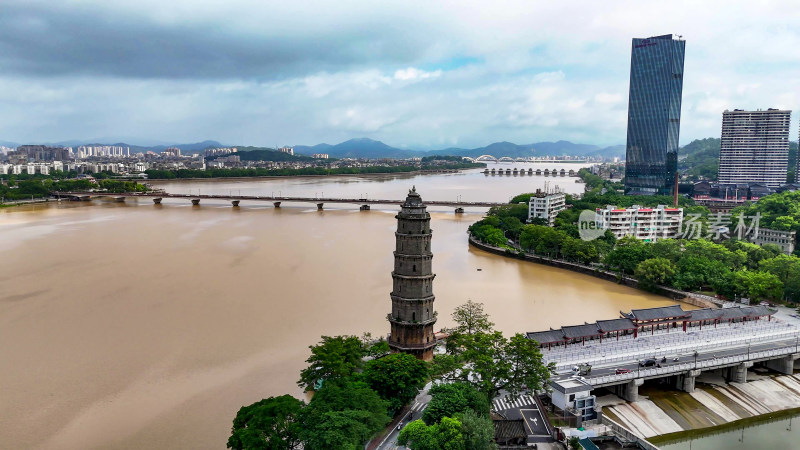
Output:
[[412, 74]]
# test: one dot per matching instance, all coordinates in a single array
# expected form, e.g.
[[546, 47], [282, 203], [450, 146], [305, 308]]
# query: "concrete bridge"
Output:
[[670, 345], [235, 200]]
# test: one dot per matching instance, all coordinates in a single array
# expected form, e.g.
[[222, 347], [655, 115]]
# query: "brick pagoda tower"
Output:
[[412, 315]]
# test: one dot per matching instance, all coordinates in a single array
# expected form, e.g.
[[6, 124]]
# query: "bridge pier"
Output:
[[685, 382], [195, 201], [276, 204], [364, 208], [738, 373], [629, 391], [784, 364], [157, 200], [319, 206], [235, 203]]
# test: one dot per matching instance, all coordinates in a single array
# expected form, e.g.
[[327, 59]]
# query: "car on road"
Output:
[[621, 371], [647, 362]]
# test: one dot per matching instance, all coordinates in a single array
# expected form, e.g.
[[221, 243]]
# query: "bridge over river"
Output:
[[671, 344], [235, 200]]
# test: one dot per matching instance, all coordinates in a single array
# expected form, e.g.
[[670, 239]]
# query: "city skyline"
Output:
[[448, 77]]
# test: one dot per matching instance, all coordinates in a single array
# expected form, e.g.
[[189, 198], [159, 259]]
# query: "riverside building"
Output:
[[543, 205], [646, 224], [654, 115], [754, 147]]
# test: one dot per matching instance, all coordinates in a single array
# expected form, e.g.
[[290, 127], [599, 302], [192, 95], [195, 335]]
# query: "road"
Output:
[[419, 405], [706, 355]]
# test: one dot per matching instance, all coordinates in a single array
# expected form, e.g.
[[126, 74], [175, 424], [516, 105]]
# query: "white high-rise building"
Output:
[[754, 147]]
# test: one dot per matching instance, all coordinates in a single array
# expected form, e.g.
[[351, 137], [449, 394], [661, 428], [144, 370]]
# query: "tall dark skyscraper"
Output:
[[654, 115]]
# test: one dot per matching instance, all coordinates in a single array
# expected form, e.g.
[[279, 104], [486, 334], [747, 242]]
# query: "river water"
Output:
[[141, 326], [769, 434]]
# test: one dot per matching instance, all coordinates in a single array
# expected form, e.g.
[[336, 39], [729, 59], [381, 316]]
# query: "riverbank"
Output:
[[674, 294]]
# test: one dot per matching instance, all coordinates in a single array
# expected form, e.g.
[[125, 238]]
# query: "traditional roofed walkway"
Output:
[[651, 320]]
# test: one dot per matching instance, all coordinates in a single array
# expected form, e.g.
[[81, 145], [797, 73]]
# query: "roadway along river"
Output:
[[141, 326]]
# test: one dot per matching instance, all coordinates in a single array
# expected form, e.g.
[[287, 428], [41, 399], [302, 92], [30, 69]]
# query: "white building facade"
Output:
[[783, 239], [546, 206], [646, 224]]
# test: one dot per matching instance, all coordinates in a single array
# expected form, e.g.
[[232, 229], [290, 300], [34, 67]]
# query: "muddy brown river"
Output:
[[141, 326]]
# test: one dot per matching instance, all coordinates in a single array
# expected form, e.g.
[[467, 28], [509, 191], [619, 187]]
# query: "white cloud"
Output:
[[410, 73], [414, 74]]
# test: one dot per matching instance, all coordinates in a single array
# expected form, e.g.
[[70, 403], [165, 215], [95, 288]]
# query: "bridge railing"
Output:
[[605, 380], [676, 343]]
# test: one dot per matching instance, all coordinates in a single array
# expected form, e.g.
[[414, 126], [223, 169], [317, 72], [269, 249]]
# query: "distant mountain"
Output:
[[310, 150], [9, 144], [358, 148], [263, 154], [368, 148], [615, 151], [562, 148]]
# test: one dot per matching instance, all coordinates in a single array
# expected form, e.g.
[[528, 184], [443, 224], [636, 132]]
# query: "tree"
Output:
[[374, 347], [444, 367], [655, 271], [342, 414], [418, 436], [271, 424], [333, 358], [491, 362], [627, 254], [453, 398], [397, 378], [478, 431], [445, 435], [471, 319]]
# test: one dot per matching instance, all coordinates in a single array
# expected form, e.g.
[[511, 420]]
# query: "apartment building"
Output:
[[646, 224]]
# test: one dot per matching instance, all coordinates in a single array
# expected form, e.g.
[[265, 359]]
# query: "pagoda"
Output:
[[412, 315]]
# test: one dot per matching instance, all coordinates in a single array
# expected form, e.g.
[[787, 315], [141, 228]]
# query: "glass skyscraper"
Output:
[[654, 115]]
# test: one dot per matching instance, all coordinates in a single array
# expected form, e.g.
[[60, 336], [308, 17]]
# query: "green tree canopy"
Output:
[[654, 272], [448, 399], [445, 435], [397, 378], [343, 414], [333, 358], [271, 424]]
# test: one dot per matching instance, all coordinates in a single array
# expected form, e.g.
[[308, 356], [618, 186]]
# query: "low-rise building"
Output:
[[784, 239], [646, 224], [546, 206], [574, 395]]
